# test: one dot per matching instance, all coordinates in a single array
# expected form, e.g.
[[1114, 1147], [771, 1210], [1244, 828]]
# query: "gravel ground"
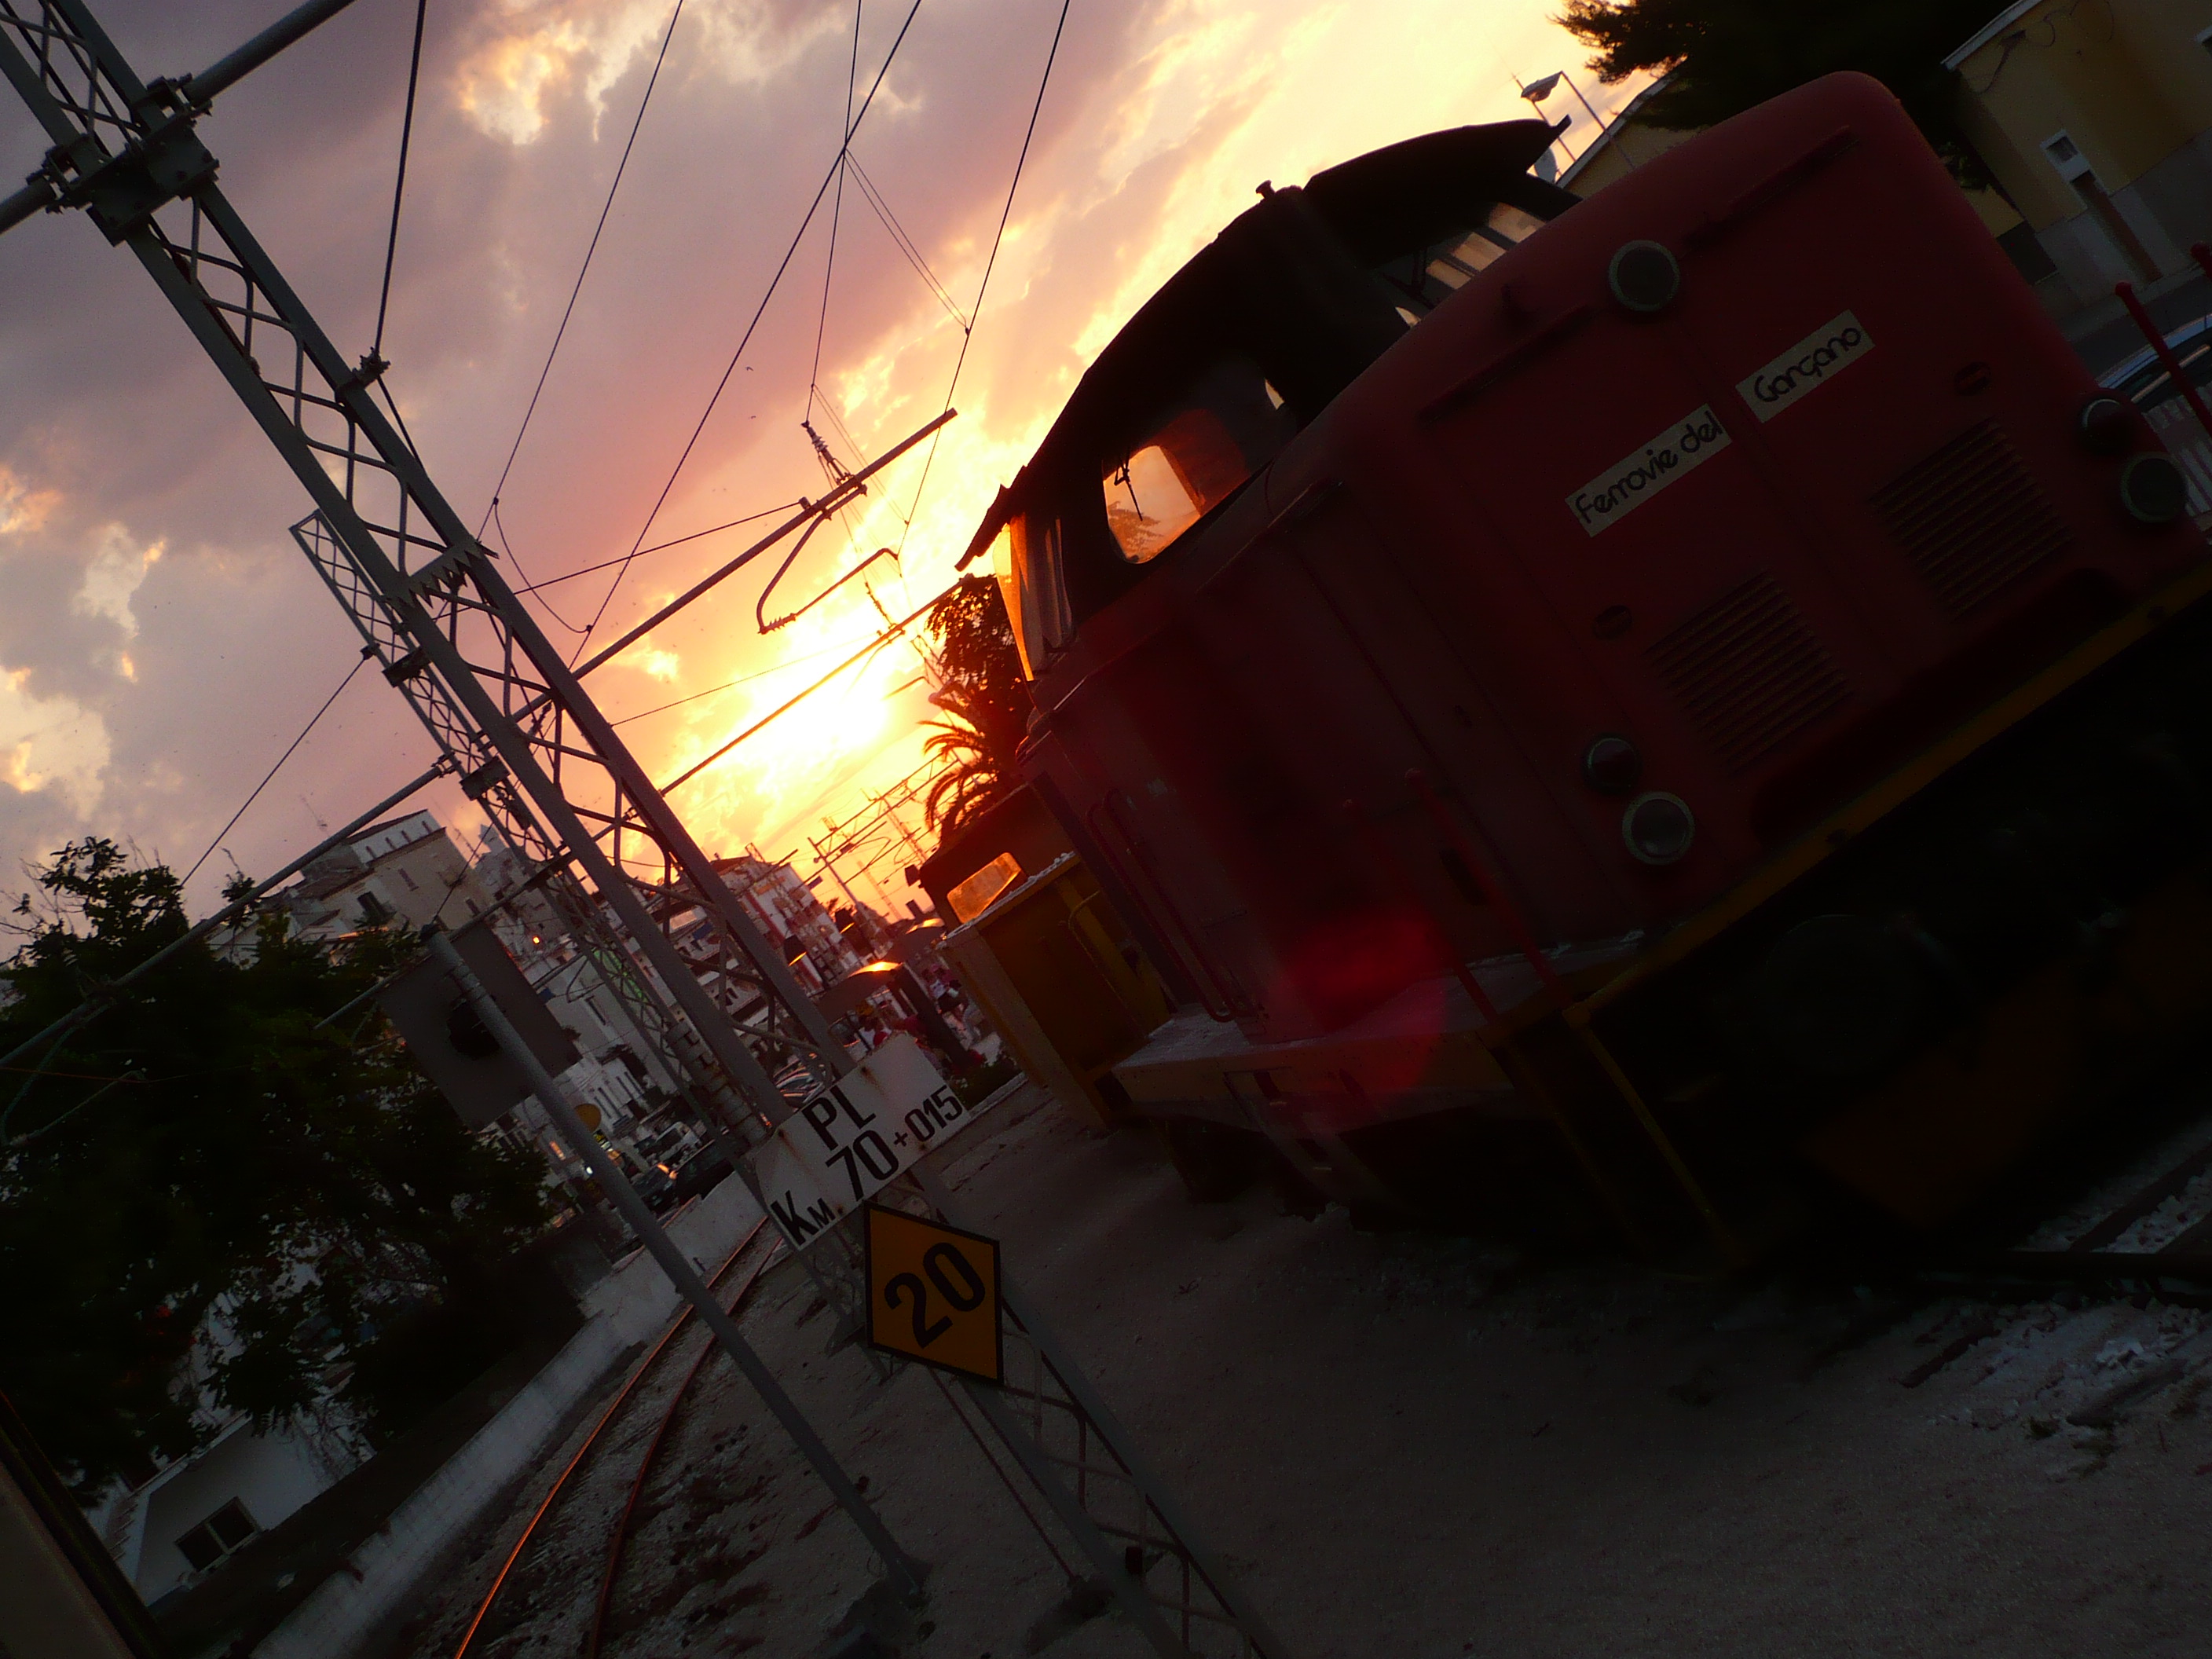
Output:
[[1413, 1446]]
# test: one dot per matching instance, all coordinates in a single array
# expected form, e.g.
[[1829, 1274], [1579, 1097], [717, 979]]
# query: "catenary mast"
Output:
[[515, 723]]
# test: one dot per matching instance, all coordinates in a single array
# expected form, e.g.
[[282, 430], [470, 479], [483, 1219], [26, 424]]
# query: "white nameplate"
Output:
[[1805, 366], [849, 1140], [1619, 490]]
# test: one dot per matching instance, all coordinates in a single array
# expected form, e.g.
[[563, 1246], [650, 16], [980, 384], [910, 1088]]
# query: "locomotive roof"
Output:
[[1409, 195], [1364, 213]]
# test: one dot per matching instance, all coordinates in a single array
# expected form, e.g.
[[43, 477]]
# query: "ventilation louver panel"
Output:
[[1748, 673], [1971, 520]]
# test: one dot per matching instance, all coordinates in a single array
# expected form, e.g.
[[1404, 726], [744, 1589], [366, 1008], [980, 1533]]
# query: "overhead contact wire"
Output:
[[508, 548], [272, 771], [661, 547], [744, 340], [982, 288], [837, 212], [904, 243], [569, 311], [399, 183], [815, 655], [890, 635]]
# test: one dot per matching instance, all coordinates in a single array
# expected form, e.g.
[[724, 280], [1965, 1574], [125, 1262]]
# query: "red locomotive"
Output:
[[1624, 707]]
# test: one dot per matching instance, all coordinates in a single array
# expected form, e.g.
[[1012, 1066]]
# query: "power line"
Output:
[[837, 212], [982, 288], [273, 771], [400, 184], [859, 449], [890, 633], [976, 312], [507, 547], [720, 385], [569, 311], [731, 685], [904, 243], [658, 547]]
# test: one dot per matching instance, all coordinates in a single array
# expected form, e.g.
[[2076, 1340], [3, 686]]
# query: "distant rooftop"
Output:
[[1624, 116], [396, 832], [1989, 31]]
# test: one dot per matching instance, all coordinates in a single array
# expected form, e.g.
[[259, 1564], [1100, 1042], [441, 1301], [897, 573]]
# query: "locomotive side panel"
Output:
[[1213, 757], [1693, 519], [1823, 499]]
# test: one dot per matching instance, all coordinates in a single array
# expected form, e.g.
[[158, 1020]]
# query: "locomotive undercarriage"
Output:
[[1978, 957]]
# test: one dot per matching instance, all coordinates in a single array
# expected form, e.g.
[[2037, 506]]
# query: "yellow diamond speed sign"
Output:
[[933, 1293]]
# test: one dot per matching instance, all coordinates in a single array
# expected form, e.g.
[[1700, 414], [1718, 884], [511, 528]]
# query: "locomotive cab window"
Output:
[[1196, 454], [1026, 558], [1425, 279]]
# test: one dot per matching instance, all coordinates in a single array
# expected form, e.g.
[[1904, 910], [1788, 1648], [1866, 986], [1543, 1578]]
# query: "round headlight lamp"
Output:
[[1658, 828], [2104, 425], [1644, 276], [1611, 765], [2152, 489]]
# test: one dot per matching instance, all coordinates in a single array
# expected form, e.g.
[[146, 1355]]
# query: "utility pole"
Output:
[[513, 720]]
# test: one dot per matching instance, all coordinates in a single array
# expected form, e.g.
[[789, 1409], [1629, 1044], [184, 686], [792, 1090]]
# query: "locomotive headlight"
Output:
[[1658, 828], [2105, 426], [1611, 765], [2152, 489], [1644, 276]]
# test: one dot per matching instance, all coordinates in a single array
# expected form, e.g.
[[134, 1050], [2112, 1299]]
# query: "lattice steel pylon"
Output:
[[527, 740], [874, 835], [425, 594]]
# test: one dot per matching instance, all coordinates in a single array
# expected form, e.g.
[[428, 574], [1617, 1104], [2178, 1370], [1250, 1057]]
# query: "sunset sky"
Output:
[[161, 641]]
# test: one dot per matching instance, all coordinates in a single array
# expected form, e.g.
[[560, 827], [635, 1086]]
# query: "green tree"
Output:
[[205, 1190], [1724, 55], [979, 685]]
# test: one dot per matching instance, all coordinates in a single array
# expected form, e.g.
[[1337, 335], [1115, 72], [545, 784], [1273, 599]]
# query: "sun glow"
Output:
[[1149, 159]]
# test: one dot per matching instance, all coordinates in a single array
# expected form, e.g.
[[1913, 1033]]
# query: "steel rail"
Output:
[[561, 1482], [618, 1544], [2179, 1270]]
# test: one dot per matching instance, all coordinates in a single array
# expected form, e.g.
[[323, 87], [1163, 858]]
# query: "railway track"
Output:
[[482, 1628], [2178, 1268], [2153, 1237]]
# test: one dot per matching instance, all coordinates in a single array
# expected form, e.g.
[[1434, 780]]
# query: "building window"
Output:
[[410, 880], [2066, 155], [215, 1537]]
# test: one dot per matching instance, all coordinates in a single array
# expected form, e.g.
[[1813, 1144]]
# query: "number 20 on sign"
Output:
[[933, 1294]]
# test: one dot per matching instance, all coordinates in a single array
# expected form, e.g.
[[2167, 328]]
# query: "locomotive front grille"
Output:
[[1748, 673], [1971, 520]]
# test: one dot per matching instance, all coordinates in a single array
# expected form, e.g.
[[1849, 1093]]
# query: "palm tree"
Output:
[[979, 687], [975, 779]]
